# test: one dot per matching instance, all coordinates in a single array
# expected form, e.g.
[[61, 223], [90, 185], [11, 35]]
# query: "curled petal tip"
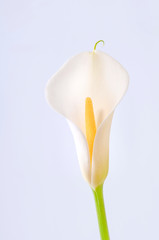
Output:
[[97, 43]]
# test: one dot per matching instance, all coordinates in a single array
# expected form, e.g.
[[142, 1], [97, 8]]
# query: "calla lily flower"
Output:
[[86, 91]]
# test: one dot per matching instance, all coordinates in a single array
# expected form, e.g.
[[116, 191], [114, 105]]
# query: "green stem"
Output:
[[102, 221]]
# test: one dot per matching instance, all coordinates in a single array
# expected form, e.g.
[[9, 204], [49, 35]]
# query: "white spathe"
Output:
[[105, 81]]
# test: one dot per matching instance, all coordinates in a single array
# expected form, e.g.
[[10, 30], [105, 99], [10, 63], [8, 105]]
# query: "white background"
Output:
[[42, 193]]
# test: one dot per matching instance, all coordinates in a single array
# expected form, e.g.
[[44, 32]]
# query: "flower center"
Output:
[[90, 125]]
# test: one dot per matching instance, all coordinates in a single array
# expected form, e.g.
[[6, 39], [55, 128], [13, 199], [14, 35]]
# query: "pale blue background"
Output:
[[42, 193]]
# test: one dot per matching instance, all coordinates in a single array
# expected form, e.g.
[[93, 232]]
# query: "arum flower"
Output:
[[86, 91]]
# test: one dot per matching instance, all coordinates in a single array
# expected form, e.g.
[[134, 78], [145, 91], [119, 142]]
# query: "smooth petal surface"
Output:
[[95, 75], [82, 151], [104, 80], [100, 160]]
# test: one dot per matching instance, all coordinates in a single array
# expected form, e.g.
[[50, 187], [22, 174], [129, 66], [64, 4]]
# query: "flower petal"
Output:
[[100, 160], [67, 89], [82, 151], [95, 75]]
